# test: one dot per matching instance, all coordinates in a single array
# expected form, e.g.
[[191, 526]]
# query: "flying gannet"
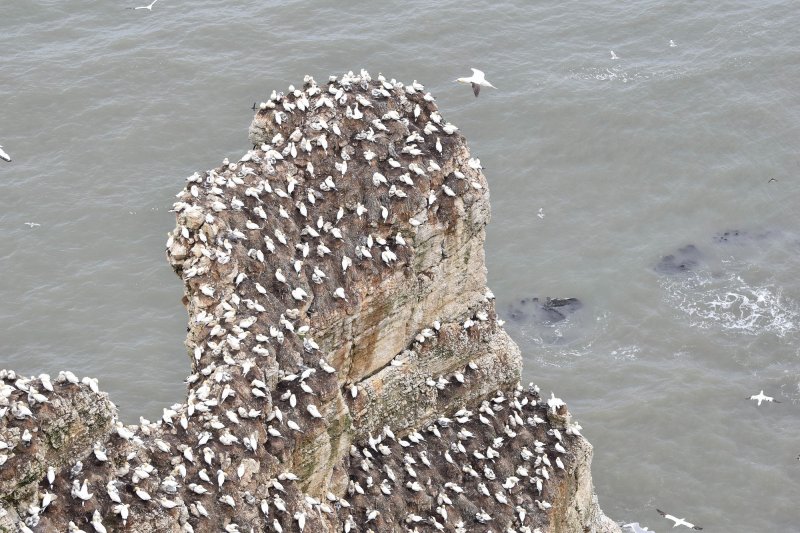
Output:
[[678, 521], [761, 397], [148, 7], [477, 80], [4, 155], [636, 528]]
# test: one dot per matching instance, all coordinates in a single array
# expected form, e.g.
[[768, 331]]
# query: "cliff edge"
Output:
[[348, 371]]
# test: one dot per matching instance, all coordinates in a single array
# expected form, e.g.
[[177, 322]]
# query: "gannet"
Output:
[[97, 522], [672, 44], [613, 55], [636, 528], [4, 155], [148, 7], [678, 521], [477, 80], [761, 397]]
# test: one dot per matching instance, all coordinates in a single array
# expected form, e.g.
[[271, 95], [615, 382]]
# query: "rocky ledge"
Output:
[[349, 372]]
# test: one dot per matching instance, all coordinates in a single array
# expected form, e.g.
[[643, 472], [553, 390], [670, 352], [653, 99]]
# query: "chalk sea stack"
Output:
[[348, 372]]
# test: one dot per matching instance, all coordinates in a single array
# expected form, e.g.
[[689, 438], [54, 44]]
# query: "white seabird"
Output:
[[148, 7], [477, 80], [4, 155], [613, 55], [636, 528], [678, 521], [761, 397]]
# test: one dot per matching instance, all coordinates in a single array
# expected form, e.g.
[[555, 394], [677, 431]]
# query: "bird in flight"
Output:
[[678, 521], [761, 397], [149, 7], [636, 528], [478, 80], [3, 155]]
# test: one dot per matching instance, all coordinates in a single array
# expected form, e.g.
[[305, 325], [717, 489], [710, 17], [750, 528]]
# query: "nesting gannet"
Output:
[[97, 522], [678, 521], [4, 155], [477, 80], [148, 7], [761, 397]]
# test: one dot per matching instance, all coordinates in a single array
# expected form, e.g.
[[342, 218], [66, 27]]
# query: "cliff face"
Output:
[[348, 369]]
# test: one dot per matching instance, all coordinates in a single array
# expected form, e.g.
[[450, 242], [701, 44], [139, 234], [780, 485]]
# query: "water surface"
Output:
[[598, 168]]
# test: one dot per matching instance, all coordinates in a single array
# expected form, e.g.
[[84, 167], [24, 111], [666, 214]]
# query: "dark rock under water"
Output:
[[685, 259], [547, 312], [689, 257]]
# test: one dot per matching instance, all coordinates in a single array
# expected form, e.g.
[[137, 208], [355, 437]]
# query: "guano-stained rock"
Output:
[[348, 371]]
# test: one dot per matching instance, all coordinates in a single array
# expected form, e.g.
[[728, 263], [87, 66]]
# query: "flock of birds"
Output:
[[477, 80], [220, 341], [225, 335], [287, 226]]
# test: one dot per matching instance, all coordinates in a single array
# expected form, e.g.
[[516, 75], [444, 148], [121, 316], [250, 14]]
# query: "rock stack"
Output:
[[349, 372]]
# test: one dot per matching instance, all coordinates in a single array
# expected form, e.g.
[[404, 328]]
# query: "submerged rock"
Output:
[[730, 236], [348, 372], [551, 311], [685, 259]]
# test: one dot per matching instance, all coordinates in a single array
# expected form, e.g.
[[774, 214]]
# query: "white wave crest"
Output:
[[733, 304]]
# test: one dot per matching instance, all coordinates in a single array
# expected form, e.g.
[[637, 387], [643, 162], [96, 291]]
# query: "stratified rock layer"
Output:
[[348, 369]]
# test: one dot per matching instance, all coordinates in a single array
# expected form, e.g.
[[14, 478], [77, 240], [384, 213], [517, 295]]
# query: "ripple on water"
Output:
[[618, 74], [560, 343]]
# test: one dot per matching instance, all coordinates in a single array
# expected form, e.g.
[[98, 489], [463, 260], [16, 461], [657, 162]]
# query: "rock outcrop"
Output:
[[349, 372]]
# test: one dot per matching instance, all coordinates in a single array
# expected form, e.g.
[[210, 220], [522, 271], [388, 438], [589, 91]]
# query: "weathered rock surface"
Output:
[[348, 369]]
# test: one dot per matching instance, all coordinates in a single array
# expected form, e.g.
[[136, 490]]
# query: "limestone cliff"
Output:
[[348, 369]]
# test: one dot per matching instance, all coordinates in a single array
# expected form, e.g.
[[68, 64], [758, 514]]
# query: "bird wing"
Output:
[[669, 517], [476, 88], [477, 73]]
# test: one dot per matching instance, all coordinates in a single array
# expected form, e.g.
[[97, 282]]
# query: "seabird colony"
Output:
[[278, 251]]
